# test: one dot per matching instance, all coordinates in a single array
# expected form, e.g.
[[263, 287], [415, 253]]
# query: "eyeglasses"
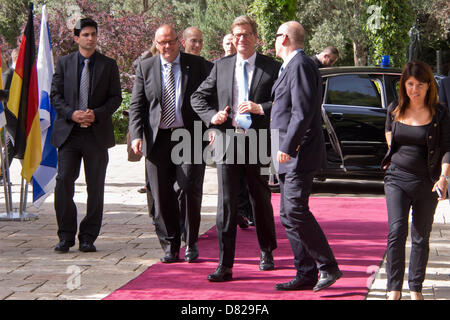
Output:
[[168, 42], [242, 35]]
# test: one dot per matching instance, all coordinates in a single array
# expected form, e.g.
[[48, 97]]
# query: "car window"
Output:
[[353, 90]]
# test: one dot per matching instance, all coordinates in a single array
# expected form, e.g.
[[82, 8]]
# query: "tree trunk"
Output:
[[359, 54], [144, 6]]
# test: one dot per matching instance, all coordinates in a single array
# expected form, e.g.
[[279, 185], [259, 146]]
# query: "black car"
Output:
[[354, 106]]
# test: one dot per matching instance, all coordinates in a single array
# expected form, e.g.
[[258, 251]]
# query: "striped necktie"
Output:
[[84, 86], [168, 106]]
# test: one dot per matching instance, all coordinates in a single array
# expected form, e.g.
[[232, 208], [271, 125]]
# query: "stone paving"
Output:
[[127, 244]]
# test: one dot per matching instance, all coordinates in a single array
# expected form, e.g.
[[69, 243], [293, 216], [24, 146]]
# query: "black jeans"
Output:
[[406, 191]]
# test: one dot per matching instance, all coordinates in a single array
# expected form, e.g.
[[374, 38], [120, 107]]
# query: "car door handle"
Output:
[[337, 116]]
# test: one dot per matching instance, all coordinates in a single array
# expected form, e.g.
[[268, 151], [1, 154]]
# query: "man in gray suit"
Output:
[[85, 93], [298, 154], [160, 106], [242, 84]]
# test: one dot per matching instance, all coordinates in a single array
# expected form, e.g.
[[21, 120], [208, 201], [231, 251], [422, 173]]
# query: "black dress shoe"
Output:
[[63, 246], [266, 261], [296, 284], [221, 274], [242, 222], [87, 247], [170, 258], [191, 253], [327, 279]]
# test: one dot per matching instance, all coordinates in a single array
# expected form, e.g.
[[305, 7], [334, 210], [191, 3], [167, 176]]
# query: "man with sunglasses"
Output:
[[160, 108], [298, 152]]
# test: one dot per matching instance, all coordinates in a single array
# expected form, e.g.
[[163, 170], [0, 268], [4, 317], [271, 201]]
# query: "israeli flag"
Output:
[[44, 178], [2, 115]]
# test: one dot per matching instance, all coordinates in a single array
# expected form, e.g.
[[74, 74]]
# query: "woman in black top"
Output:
[[418, 170]]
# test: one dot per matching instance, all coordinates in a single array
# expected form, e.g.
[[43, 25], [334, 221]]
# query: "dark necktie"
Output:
[[168, 107], [84, 86]]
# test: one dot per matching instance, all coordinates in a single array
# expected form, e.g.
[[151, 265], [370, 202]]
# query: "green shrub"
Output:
[[120, 122]]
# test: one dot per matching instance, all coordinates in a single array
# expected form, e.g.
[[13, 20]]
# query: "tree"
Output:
[[13, 14], [434, 27], [214, 28], [388, 35], [335, 22], [269, 15], [123, 36]]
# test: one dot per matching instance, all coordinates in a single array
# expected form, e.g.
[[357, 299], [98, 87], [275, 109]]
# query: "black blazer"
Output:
[[444, 91], [296, 114], [219, 85], [438, 143], [146, 99], [105, 97]]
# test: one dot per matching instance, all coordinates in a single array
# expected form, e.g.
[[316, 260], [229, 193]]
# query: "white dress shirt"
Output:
[[238, 83]]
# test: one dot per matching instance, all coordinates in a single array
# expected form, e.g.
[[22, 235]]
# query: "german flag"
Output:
[[22, 108]]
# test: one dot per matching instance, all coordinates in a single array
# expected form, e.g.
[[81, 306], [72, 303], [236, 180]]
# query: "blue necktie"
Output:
[[244, 120]]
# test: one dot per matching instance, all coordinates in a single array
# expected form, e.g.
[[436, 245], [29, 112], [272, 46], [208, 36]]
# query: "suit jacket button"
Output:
[[432, 151], [430, 137]]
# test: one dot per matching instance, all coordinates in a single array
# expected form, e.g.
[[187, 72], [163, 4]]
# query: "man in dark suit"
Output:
[[85, 93], [444, 97], [242, 84], [327, 58], [444, 91], [160, 108], [298, 153]]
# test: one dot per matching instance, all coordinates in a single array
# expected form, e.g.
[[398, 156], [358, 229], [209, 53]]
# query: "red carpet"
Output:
[[356, 229]]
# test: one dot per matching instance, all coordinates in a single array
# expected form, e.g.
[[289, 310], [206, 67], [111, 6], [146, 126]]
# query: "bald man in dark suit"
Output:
[[298, 153], [160, 108]]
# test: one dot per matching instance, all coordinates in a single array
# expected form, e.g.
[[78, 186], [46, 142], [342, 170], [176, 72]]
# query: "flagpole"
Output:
[[27, 67], [5, 177]]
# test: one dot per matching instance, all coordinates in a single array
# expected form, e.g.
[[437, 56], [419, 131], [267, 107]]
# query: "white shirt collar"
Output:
[[290, 57], [176, 61], [251, 60]]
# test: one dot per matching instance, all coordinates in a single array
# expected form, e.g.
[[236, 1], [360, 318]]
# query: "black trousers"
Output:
[[308, 242], [80, 145], [404, 192], [230, 170], [175, 188]]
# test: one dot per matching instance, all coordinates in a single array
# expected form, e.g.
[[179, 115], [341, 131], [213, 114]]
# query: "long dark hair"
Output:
[[422, 72]]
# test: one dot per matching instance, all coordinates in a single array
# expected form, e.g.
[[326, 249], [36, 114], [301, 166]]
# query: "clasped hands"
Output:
[[222, 116], [245, 106], [84, 117]]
